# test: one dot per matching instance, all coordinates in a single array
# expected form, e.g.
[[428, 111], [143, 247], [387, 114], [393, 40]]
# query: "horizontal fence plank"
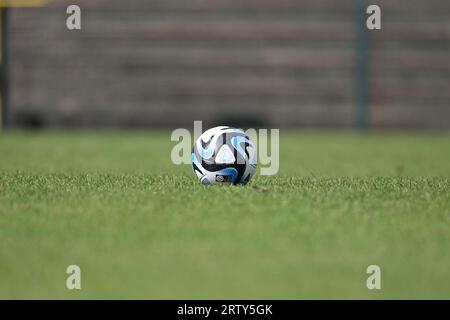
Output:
[[429, 6], [199, 58], [212, 5]]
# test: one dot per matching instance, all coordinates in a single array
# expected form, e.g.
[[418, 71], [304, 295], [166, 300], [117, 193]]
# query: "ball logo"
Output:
[[220, 178]]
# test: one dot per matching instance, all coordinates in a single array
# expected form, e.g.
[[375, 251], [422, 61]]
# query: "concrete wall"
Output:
[[278, 63]]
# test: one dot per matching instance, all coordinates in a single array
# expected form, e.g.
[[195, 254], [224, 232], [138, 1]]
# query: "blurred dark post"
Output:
[[361, 77], [4, 68]]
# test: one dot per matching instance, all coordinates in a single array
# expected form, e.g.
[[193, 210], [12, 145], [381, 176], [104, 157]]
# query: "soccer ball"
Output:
[[224, 155]]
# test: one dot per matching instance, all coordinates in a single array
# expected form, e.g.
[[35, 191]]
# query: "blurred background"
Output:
[[263, 63]]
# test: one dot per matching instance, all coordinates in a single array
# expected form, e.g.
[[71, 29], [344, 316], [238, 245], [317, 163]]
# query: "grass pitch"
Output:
[[141, 227]]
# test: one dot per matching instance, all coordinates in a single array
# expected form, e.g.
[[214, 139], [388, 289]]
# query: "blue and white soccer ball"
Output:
[[224, 155]]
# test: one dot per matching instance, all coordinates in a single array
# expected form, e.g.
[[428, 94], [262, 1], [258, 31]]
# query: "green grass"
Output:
[[141, 227]]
